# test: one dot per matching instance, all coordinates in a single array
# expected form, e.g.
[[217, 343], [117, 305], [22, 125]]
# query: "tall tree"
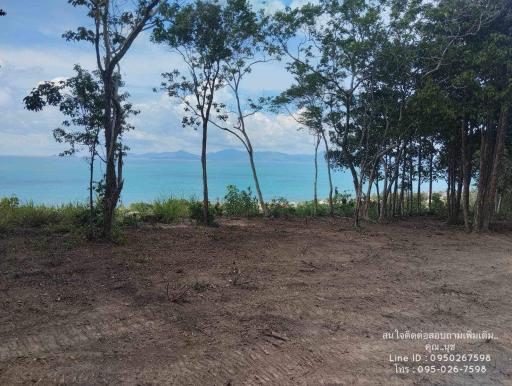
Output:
[[469, 47], [342, 54], [198, 32], [80, 99], [115, 27], [311, 100], [245, 42]]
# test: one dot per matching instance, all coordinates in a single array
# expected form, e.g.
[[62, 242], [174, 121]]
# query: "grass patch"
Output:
[[166, 211], [63, 218]]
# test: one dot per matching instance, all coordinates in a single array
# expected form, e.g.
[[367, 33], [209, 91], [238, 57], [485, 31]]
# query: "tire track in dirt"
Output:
[[59, 338], [259, 364]]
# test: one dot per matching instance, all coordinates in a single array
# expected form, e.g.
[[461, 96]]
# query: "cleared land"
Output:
[[253, 302]]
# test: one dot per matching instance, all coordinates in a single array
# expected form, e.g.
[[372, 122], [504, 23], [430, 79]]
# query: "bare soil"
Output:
[[253, 302]]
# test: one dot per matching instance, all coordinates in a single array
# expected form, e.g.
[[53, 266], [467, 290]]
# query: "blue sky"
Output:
[[32, 50]]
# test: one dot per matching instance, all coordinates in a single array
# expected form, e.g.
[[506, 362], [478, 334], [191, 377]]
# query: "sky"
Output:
[[32, 50]]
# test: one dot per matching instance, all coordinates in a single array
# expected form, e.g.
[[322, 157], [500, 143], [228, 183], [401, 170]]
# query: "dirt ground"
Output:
[[255, 302]]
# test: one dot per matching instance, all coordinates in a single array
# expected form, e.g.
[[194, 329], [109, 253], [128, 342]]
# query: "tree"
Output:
[[468, 50], [308, 97], [340, 54], [80, 99], [245, 42], [113, 32], [198, 32]]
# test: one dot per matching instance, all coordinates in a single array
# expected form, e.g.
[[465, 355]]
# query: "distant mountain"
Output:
[[174, 155], [228, 155]]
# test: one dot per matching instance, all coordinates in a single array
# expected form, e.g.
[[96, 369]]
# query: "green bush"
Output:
[[195, 210], [9, 203], [170, 210], [307, 209], [142, 208], [165, 211], [438, 205], [344, 204], [217, 209], [240, 203], [280, 207]]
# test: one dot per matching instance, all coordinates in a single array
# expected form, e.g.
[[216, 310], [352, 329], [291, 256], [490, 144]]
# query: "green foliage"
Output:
[[9, 203], [280, 207], [164, 211], [195, 210], [307, 209], [240, 203], [14, 215], [438, 204], [217, 209], [170, 210], [344, 204]]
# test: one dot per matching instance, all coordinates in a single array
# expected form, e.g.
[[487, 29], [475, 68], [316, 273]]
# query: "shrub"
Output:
[[438, 205], [307, 209], [218, 209], [240, 203], [166, 211], [344, 204], [195, 210], [142, 208], [280, 207], [170, 210], [9, 203]]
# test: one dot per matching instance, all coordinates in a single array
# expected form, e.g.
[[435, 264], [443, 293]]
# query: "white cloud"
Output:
[[278, 133], [158, 127]]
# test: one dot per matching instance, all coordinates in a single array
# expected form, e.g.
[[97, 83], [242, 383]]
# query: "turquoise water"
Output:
[[55, 180]]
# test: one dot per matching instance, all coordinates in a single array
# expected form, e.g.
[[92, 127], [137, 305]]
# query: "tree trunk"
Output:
[[493, 167], [257, 183], [378, 194], [331, 205], [367, 201], [498, 203], [349, 160], [315, 191], [383, 212], [466, 174], [111, 194], [430, 172], [411, 189], [91, 197], [451, 189], [448, 194], [206, 219], [483, 177], [401, 208], [419, 179], [459, 193], [395, 192]]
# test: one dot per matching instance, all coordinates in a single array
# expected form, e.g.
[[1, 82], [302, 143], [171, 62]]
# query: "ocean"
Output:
[[59, 180]]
